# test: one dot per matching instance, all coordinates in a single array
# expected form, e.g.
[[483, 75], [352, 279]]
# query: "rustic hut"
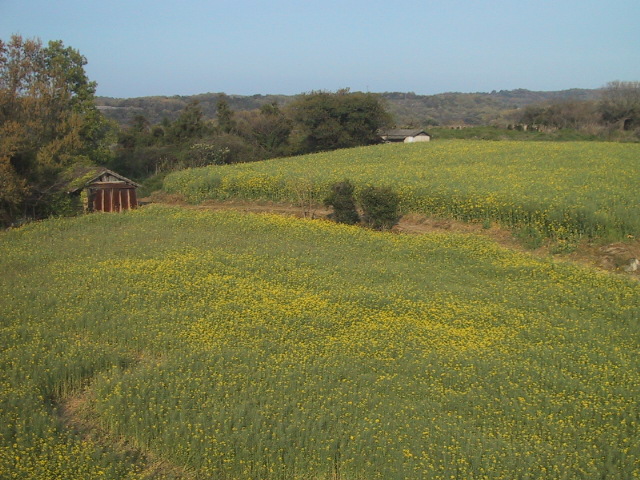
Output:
[[405, 135], [102, 190]]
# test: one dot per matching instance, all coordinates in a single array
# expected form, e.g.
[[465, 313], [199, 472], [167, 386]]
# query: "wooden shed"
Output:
[[103, 190], [405, 135]]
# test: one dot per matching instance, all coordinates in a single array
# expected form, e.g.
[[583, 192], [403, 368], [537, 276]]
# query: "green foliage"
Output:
[[500, 133], [151, 184], [141, 160], [188, 126], [342, 200], [234, 148], [380, 207], [268, 129], [48, 122], [203, 154], [568, 114], [226, 122], [620, 104], [530, 237], [191, 141], [327, 121], [407, 108]]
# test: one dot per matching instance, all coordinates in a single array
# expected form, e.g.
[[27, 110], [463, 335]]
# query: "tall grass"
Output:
[[262, 347], [563, 190]]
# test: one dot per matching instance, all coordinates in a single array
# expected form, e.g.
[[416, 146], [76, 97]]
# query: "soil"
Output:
[[611, 257]]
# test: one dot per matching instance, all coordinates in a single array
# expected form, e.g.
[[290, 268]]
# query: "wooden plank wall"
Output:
[[114, 198]]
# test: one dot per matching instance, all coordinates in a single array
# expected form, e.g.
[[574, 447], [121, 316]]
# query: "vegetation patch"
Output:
[[276, 347], [563, 190]]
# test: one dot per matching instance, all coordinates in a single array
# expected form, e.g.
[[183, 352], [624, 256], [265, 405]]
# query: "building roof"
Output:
[[402, 133], [82, 176]]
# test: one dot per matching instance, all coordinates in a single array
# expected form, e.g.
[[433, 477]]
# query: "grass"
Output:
[[256, 346], [565, 191]]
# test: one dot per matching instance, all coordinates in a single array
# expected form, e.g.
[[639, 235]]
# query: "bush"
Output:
[[152, 184], [343, 203], [380, 207], [530, 237]]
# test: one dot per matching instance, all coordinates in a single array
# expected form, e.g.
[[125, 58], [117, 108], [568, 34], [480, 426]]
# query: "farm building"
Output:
[[405, 135], [102, 190]]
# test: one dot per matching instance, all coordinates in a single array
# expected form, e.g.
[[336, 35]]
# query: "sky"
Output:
[[138, 48]]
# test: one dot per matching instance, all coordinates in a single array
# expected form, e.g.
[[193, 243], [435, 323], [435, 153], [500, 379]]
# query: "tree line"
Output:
[[316, 121], [407, 108], [616, 109]]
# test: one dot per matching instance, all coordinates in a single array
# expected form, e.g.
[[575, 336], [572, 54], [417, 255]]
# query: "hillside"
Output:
[[198, 344], [561, 191], [407, 108]]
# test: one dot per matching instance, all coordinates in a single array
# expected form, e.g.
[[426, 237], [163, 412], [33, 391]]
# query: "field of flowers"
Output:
[[242, 346], [563, 190]]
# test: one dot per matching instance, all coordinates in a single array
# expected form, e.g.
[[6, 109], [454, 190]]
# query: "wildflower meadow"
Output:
[[179, 343], [562, 190]]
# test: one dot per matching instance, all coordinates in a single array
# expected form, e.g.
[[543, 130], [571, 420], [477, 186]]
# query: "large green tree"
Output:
[[189, 125], [327, 121], [267, 129], [48, 122], [226, 122]]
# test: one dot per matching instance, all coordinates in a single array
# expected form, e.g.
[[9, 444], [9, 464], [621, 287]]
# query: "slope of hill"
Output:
[[563, 191], [261, 347]]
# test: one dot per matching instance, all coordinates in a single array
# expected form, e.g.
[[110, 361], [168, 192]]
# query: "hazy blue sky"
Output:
[[162, 47]]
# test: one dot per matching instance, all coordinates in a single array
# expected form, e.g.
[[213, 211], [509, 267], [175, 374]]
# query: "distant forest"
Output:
[[408, 109]]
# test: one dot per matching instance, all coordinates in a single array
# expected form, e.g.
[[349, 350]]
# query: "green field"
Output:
[[260, 347], [564, 191]]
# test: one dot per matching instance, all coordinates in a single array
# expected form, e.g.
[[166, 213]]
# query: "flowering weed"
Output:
[[264, 347]]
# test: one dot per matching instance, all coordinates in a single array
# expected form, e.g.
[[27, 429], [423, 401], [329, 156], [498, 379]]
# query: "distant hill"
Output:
[[453, 108], [156, 109], [408, 108]]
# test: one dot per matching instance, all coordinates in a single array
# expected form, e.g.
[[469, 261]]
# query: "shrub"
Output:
[[530, 237], [344, 205], [380, 207]]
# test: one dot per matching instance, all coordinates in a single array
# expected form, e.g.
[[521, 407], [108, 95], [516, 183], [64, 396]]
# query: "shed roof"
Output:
[[401, 133], [82, 176]]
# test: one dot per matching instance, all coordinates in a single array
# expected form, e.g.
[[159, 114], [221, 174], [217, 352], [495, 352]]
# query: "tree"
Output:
[[48, 122], [140, 124], [272, 128], [620, 104], [226, 122], [575, 114], [268, 129], [189, 125], [327, 121]]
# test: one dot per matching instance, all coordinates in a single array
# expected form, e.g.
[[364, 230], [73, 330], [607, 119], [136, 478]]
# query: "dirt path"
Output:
[[612, 257], [75, 413]]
